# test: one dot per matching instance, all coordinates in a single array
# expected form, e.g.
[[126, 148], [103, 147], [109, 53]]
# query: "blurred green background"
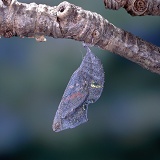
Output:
[[124, 123]]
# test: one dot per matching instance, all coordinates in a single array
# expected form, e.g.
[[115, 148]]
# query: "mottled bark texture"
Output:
[[7, 2], [69, 21], [29, 20], [135, 7]]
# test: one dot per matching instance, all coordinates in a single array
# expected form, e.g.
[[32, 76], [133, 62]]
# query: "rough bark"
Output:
[[69, 21], [135, 7]]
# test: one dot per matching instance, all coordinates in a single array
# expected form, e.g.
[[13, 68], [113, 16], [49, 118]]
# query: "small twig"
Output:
[[69, 21], [135, 7]]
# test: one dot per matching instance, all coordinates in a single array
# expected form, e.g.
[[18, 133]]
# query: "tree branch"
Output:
[[69, 21], [135, 7]]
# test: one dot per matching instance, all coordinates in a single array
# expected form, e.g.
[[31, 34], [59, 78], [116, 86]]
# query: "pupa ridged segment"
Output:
[[84, 87]]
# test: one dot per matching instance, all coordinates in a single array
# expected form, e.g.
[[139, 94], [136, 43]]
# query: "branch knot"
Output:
[[140, 6]]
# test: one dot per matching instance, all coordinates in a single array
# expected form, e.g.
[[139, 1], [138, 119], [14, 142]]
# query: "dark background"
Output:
[[123, 124]]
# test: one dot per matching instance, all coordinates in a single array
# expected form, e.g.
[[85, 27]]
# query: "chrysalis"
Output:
[[84, 87]]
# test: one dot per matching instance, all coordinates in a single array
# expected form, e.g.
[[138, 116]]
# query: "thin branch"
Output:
[[69, 21], [135, 7]]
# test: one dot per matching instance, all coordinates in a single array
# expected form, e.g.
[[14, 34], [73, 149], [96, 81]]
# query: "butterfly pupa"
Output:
[[85, 87]]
